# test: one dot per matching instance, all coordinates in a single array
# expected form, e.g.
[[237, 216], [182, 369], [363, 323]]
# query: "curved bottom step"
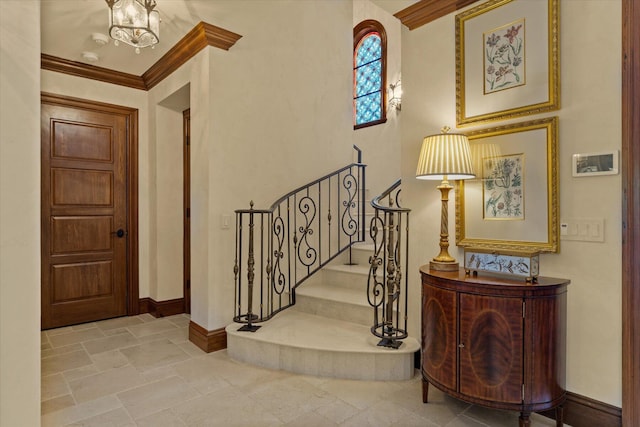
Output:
[[312, 345]]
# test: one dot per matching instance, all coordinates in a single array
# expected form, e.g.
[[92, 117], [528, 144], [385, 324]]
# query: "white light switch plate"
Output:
[[582, 229], [225, 221]]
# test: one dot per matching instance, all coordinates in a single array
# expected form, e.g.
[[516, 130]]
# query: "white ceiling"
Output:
[[67, 26]]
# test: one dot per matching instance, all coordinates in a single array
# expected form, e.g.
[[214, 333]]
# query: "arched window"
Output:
[[369, 74]]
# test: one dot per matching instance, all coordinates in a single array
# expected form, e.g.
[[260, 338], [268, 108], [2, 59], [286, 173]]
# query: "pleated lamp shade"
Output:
[[480, 152], [445, 156]]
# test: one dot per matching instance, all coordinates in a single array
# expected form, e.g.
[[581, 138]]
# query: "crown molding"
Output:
[[425, 11], [79, 69], [201, 36]]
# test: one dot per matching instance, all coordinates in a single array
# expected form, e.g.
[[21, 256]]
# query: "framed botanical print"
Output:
[[513, 202], [506, 60]]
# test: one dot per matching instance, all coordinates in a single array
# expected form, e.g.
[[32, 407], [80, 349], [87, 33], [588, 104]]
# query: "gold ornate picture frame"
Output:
[[533, 185], [507, 60]]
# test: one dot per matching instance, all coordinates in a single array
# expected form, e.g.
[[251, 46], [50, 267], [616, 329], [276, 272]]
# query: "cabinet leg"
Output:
[[425, 391], [524, 419], [559, 416]]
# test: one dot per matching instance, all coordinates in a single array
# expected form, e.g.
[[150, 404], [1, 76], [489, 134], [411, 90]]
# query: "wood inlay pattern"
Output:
[[435, 343], [439, 329], [504, 356], [491, 340]]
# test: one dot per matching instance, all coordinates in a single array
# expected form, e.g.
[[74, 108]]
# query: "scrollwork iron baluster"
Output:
[[385, 232], [307, 208], [349, 224], [280, 283], [250, 278], [293, 232]]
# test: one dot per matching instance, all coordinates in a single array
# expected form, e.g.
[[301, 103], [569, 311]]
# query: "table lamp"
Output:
[[445, 156]]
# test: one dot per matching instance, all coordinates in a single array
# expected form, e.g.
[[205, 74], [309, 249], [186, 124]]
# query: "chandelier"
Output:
[[134, 22]]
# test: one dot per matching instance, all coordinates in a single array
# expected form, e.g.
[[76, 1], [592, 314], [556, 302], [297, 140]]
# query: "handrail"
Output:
[[289, 242], [377, 204], [389, 226], [302, 187], [359, 151]]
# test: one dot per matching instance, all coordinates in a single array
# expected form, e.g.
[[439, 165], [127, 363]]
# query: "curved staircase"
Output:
[[328, 330]]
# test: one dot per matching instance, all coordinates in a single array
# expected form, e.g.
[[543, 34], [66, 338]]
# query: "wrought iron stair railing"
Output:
[[387, 289], [279, 248]]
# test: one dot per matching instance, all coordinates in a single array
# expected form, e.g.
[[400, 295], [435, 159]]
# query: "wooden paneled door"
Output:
[[86, 214]]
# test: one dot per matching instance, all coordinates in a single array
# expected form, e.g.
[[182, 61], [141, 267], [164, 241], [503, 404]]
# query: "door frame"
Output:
[[630, 213], [186, 211], [131, 165]]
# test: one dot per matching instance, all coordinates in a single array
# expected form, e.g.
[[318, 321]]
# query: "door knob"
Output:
[[120, 233]]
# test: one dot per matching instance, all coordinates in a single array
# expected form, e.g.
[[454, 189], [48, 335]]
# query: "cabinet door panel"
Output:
[[491, 359], [546, 336], [439, 321]]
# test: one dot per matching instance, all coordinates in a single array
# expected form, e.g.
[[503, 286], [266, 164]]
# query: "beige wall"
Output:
[[185, 88], [257, 133], [168, 130], [19, 214], [381, 144], [169, 181], [280, 116], [589, 121]]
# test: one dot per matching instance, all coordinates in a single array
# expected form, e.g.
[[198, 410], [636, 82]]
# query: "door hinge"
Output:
[[523, 309], [188, 213], [523, 392], [188, 284], [187, 140]]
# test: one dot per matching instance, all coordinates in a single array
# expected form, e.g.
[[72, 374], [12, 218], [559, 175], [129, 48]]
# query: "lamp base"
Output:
[[444, 265]]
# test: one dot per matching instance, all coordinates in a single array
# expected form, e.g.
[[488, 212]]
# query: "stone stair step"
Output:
[[347, 276], [360, 253], [336, 302], [328, 331], [314, 345]]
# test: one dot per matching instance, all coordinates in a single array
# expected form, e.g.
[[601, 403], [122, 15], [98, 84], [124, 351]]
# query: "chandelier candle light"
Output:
[[443, 157], [134, 22]]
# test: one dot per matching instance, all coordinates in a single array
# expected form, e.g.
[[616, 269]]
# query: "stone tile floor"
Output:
[[143, 371]]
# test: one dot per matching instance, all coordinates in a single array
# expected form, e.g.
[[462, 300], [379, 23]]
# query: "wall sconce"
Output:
[[395, 95], [443, 157]]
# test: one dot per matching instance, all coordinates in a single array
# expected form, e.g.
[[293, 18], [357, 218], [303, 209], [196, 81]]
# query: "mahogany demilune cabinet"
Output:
[[494, 341]]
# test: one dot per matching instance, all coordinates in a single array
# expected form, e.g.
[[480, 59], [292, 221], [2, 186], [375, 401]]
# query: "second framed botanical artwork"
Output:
[[506, 60], [513, 202]]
